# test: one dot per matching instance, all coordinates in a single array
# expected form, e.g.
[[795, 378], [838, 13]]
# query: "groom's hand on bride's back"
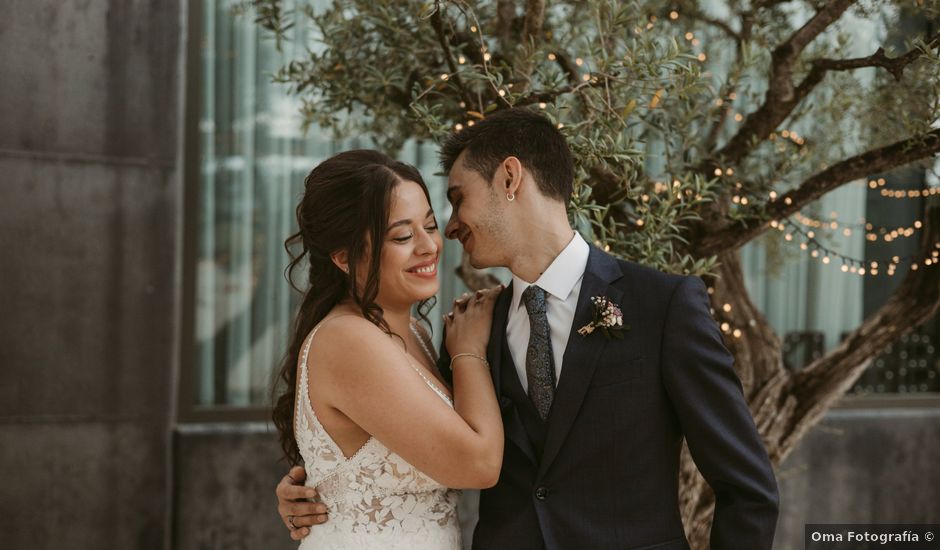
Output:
[[294, 504]]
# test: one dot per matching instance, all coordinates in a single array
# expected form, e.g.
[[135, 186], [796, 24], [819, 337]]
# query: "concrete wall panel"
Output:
[[224, 486], [87, 275], [82, 485], [96, 78], [862, 466], [858, 466]]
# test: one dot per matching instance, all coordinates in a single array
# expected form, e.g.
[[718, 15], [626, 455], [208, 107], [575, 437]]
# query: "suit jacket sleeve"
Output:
[[719, 429]]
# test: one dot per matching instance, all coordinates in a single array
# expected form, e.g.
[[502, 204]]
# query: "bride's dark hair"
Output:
[[345, 206]]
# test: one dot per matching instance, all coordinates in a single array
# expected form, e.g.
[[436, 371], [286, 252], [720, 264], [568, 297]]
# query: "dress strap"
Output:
[[424, 341]]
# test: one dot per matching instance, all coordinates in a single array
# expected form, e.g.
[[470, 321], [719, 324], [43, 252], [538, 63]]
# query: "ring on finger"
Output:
[[290, 521]]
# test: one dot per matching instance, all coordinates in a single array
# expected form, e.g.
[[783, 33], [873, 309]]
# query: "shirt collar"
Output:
[[561, 276]]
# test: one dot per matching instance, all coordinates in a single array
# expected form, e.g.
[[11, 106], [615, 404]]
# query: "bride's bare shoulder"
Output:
[[347, 337]]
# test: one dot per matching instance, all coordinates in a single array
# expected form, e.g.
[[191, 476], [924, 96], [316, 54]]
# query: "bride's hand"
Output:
[[467, 328]]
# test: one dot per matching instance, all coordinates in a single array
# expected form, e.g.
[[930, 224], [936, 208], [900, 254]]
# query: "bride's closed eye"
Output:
[[406, 238]]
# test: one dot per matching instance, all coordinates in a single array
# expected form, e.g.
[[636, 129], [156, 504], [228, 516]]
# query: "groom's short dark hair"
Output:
[[517, 132]]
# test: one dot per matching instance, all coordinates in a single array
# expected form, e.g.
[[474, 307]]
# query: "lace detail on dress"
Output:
[[376, 499]]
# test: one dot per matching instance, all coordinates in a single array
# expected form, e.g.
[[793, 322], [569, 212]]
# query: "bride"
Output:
[[382, 438]]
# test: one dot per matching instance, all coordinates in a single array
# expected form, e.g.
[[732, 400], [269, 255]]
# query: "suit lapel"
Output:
[[512, 422], [581, 353], [497, 335]]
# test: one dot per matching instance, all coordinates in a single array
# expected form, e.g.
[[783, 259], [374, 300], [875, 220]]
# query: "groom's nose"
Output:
[[450, 230]]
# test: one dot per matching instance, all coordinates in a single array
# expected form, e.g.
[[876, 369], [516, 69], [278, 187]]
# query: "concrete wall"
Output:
[[857, 466], [88, 193], [224, 484], [862, 466]]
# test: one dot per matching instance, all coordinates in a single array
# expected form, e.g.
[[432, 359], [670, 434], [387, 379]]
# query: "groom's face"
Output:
[[477, 217]]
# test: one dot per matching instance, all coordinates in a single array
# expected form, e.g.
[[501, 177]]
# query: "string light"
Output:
[[850, 264], [910, 193], [787, 134], [820, 252], [872, 232]]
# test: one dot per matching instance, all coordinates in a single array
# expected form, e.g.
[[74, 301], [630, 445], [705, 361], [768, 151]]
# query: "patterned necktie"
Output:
[[539, 362]]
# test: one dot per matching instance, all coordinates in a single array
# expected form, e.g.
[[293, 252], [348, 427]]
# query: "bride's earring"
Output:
[[510, 197]]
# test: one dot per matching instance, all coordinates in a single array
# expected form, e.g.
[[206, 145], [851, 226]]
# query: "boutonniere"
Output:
[[607, 318]]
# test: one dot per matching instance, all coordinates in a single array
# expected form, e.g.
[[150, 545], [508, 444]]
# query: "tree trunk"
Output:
[[787, 404]]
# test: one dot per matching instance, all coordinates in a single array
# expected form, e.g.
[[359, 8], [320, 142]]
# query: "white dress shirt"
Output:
[[561, 282]]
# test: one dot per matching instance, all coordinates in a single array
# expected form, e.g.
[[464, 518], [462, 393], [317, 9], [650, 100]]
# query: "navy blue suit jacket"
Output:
[[602, 471]]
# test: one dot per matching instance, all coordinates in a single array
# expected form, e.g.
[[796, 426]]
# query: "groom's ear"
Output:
[[511, 175]]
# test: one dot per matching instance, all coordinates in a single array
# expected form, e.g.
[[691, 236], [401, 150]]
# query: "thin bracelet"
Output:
[[480, 357]]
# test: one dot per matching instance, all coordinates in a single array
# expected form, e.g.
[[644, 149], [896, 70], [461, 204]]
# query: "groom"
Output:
[[594, 423]]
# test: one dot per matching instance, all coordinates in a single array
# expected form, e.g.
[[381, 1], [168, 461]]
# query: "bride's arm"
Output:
[[370, 380]]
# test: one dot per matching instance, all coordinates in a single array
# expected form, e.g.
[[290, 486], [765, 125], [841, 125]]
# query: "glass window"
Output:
[[814, 305], [253, 160]]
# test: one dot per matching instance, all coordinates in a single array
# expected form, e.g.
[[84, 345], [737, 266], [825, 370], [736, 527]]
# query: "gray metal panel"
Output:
[[862, 466], [87, 288], [225, 478], [90, 77], [81, 485]]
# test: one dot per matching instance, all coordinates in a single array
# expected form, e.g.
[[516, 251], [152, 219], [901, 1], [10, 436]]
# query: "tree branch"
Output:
[[531, 36], [876, 160], [765, 120], [764, 4], [697, 15], [895, 65], [568, 66], [505, 16], [475, 279], [546, 96], [747, 25], [826, 380], [437, 21], [781, 96], [534, 18]]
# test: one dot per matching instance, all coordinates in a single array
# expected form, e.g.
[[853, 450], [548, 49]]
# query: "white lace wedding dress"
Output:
[[376, 499]]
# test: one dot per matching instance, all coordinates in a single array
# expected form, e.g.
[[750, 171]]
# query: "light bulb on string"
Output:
[[850, 265]]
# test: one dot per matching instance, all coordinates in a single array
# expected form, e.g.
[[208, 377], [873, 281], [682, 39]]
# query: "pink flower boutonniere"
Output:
[[607, 317]]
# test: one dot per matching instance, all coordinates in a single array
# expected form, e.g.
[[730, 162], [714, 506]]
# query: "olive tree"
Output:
[[697, 127]]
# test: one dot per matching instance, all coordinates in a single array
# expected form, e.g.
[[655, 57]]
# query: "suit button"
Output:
[[541, 493]]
